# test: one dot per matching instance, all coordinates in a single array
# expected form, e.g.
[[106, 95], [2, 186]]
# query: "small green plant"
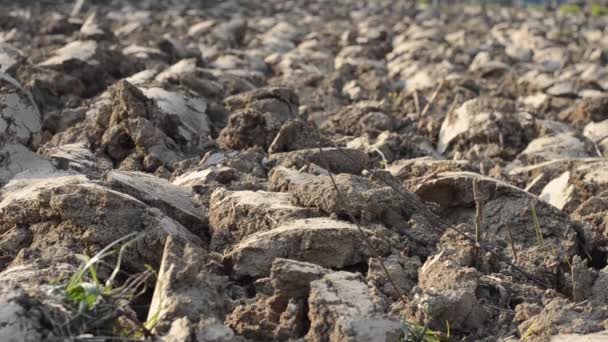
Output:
[[86, 294], [529, 332], [383, 161], [417, 333], [96, 306], [599, 10], [569, 9], [153, 321], [413, 332]]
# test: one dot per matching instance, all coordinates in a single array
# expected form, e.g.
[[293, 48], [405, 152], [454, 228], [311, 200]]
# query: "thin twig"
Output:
[[511, 242], [428, 104], [429, 176], [571, 265], [597, 149], [364, 237], [442, 224], [478, 215]]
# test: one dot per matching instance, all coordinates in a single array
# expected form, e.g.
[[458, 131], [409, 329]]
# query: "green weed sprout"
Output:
[[599, 10], [86, 294], [569, 9], [99, 301], [413, 332]]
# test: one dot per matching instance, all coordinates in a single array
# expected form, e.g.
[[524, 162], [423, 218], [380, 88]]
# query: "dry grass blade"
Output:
[[478, 215], [513, 250], [364, 237], [539, 233], [443, 224], [433, 97]]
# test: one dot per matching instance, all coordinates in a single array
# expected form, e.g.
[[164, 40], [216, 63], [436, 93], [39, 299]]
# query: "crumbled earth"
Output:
[[302, 171]]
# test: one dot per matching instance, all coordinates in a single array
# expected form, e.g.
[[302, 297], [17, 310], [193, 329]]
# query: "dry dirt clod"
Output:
[[483, 121], [322, 241], [282, 314], [16, 158], [294, 135], [233, 216], [593, 110], [560, 146], [175, 201], [336, 159], [95, 216], [504, 204], [556, 316], [78, 158], [571, 188], [257, 116], [19, 119], [340, 309], [21, 319], [188, 286], [402, 269]]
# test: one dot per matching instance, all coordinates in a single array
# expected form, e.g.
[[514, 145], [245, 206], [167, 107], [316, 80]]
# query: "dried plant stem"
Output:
[[364, 236], [539, 233], [513, 250], [428, 104], [417, 103], [478, 215]]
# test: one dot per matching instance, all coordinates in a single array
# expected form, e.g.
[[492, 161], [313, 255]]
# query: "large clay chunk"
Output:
[[257, 116], [321, 241], [154, 126], [21, 319], [487, 121], [338, 160], [20, 118], [503, 205], [175, 201], [358, 196], [570, 189], [16, 158], [233, 216], [93, 215], [281, 315]]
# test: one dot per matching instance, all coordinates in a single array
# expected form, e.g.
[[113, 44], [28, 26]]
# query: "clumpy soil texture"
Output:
[[302, 171]]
